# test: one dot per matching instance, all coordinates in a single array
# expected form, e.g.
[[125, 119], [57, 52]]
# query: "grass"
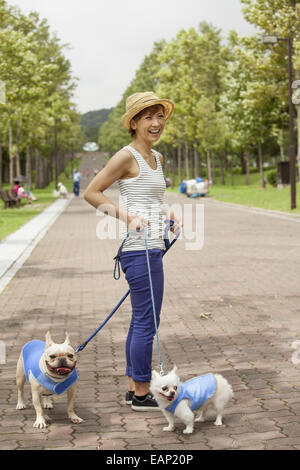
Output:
[[12, 219], [253, 195]]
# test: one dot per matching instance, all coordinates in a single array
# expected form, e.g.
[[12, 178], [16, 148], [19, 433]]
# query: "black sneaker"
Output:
[[148, 404], [128, 397]]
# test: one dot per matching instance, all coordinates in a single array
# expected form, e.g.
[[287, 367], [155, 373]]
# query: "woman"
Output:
[[138, 170]]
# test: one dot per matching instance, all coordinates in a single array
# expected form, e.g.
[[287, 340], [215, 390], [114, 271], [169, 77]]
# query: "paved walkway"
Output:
[[17, 247], [246, 276]]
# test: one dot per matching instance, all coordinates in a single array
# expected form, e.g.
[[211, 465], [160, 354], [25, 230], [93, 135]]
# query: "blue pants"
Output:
[[142, 327], [76, 188]]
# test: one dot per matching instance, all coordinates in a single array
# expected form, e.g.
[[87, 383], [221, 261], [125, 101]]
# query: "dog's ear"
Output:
[[67, 340], [154, 374], [175, 370], [49, 340]]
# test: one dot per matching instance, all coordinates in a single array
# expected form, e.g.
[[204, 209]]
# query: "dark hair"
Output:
[[153, 109]]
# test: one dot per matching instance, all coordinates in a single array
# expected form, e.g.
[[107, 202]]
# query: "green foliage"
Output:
[[92, 121], [39, 87], [272, 177]]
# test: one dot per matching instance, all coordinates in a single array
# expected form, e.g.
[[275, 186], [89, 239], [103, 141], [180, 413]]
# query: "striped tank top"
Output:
[[143, 195]]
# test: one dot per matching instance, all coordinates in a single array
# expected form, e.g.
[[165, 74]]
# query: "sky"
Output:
[[109, 39]]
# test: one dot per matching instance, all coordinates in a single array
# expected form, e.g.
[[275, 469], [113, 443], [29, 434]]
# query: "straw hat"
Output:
[[138, 101]]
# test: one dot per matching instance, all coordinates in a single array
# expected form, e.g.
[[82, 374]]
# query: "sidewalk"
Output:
[[246, 276], [16, 248]]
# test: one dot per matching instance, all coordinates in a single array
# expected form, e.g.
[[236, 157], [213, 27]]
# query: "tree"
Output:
[[189, 74], [281, 18], [37, 75]]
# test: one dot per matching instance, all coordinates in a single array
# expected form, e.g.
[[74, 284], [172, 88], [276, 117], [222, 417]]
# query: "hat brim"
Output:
[[167, 104]]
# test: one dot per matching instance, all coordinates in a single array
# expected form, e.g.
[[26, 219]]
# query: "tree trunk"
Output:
[[11, 156], [17, 156], [1, 166], [173, 166], [56, 154], [222, 174], [165, 155], [208, 168], [42, 170], [298, 126], [261, 166], [186, 161], [243, 164], [196, 164], [199, 163], [231, 172], [247, 181], [37, 165], [214, 179], [179, 163], [28, 168], [281, 146]]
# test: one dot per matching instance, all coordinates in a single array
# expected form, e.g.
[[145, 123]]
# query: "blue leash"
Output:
[[168, 245], [153, 303]]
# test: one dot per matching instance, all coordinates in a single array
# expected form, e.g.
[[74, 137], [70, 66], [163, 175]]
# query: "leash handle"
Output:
[[117, 271]]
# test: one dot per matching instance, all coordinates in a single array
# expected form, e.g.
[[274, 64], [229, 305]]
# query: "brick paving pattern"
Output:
[[246, 277]]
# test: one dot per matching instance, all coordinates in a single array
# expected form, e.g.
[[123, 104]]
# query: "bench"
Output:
[[14, 199], [5, 199], [9, 198]]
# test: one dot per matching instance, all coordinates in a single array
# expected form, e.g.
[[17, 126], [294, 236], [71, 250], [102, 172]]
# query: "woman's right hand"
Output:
[[135, 222]]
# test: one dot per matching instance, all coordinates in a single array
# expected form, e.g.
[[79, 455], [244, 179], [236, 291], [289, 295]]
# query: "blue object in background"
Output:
[[199, 180], [182, 187]]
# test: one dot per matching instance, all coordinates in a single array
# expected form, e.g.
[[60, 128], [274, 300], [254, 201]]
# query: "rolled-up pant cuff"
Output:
[[138, 378]]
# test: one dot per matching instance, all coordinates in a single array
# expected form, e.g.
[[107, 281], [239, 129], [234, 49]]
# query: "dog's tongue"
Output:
[[63, 370]]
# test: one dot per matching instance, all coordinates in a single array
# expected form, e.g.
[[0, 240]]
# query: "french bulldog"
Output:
[[50, 369]]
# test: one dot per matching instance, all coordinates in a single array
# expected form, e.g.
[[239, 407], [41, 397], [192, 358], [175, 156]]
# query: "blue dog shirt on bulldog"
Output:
[[32, 353], [197, 390]]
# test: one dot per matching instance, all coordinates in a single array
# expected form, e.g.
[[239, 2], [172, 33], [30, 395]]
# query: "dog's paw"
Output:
[[48, 406], [20, 406], [200, 419], [40, 423], [75, 419], [218, 421], [169, 428], [188, 431]]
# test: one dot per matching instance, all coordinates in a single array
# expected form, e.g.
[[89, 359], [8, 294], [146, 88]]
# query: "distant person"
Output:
[[76, 182], [62, 190], [168, 182], [16, 188], [87, 172], [21, 193]]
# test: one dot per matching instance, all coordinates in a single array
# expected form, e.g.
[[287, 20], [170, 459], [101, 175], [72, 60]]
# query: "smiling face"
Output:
[[60, 359], [149, 123], [165, 388]]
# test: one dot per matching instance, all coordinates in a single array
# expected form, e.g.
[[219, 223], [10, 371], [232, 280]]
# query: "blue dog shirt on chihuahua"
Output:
[[197, 390], [32, 353]]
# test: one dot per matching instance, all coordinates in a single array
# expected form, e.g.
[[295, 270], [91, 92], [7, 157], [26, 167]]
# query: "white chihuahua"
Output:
[[180, 399]]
